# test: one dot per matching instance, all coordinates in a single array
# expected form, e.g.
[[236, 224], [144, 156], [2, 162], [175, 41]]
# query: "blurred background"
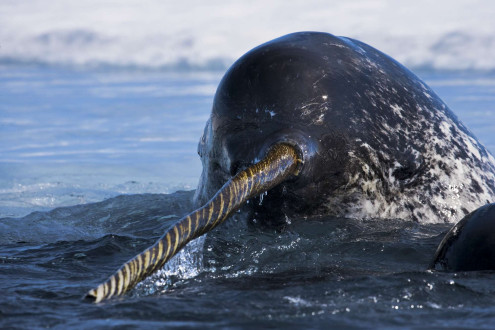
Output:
[[101, 98], [440, 35]]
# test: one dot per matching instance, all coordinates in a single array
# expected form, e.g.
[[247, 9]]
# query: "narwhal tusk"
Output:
[[281, 161]]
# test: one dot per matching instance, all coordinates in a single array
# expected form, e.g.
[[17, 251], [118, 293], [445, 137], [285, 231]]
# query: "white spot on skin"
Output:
[[397, 110], [261, 197], [446, 194], [320, 118], [271, 112], [445, 128], [428, 95], [471, 146], [315, 110]]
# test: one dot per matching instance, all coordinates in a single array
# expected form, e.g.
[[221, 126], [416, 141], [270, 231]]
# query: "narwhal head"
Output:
[[359, 119], [278, 92], [323, 125]]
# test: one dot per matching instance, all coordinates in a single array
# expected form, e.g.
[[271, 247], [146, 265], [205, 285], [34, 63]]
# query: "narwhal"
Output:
[[318, 124], [469, 244]]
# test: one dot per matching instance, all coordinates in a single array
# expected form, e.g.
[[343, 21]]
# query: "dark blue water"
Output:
[[89, 162]]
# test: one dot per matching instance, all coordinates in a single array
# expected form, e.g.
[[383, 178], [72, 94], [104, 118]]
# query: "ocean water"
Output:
[[102, 104], [90, 164]]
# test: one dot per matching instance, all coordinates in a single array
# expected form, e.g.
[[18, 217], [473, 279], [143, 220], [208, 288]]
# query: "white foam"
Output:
[[150, 33]]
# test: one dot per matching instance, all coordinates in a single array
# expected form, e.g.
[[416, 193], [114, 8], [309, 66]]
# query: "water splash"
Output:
[[186, 264]]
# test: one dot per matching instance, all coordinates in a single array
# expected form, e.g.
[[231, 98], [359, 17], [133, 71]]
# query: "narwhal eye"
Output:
[[205, 138], [201, 147]]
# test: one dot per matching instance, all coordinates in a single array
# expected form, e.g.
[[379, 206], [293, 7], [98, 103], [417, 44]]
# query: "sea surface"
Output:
[[95, 164]]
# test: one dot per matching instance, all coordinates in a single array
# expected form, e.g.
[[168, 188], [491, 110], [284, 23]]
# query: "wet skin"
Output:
[[323, 125], [371, 132], [470, 244]]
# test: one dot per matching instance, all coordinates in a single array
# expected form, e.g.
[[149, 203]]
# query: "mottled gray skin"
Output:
[[377, 142]]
